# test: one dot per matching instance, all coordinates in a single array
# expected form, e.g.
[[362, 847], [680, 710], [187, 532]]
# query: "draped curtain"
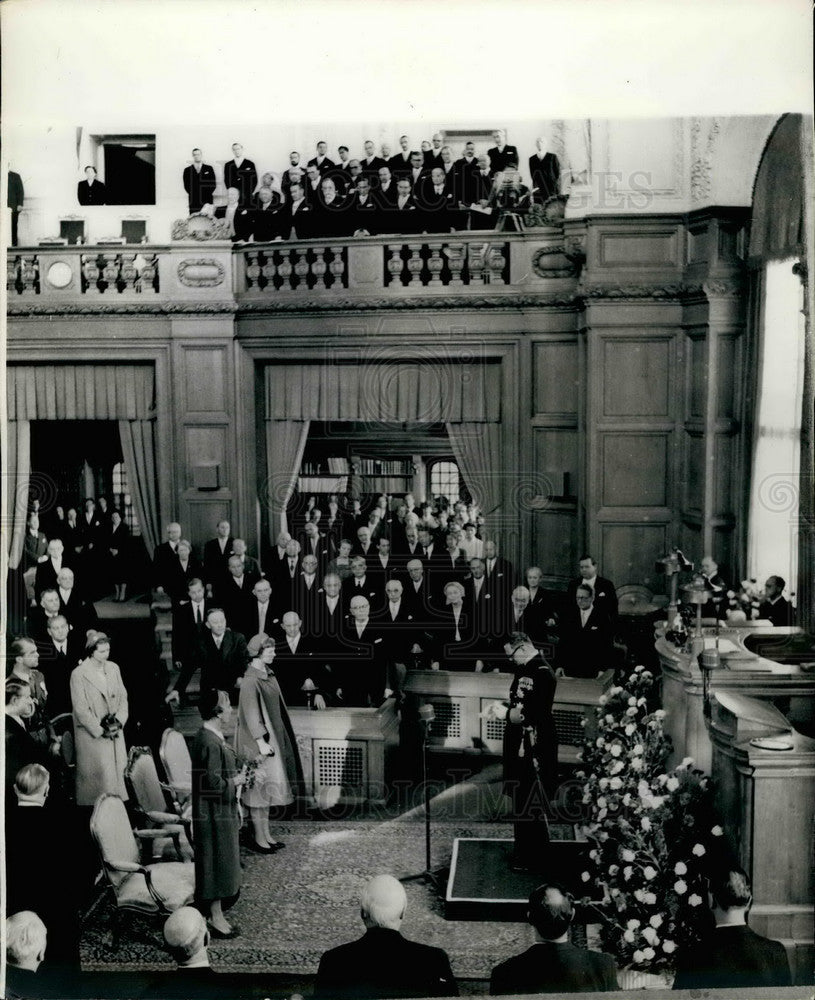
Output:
[[478, 452], [139, 453], [285, 444], [18, 469]]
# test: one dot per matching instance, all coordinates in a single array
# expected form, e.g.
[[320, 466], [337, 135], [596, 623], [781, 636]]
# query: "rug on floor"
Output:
[[303, 900]]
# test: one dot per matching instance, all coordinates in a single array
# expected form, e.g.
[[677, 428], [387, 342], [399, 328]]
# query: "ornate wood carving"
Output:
[[201, 272]]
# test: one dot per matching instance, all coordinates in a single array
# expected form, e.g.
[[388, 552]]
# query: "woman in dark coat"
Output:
[[117, 543], [264, 734], [215, 820], [185, 568]]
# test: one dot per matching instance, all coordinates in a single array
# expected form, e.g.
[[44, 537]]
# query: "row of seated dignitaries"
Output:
[[348, 626]]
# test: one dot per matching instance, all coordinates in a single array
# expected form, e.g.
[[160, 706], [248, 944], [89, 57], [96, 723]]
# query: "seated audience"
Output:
[[382, 963], [775, 607], [553, 965], [732, 956]]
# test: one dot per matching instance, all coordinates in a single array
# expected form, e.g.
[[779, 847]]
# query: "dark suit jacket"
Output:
[[299, 221], [384, 964], [242, 222], [81, 614], [323, 167], [177, 578], [452, 653], [165, 566], [215, 561], [199, 185], [535, 701], [779, 613], [56, 668], [555, 968], [91, 194], [16, 193], [733, 958], [585, 649], [545, 174], [221, 668], [501, 158], [243, 177], [267, 223], [432, 159], [292, 669], [46, 576], [372, 169], [187, 634], [399, 165]]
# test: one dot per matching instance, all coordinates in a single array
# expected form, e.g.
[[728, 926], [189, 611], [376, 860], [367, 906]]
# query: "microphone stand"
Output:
[[428, 877]]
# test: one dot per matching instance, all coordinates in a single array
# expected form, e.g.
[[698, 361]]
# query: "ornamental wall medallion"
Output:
[[201, 273]]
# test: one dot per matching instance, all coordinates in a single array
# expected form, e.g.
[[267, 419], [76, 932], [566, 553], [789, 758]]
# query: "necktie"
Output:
[[291, 568], [198, 614], [61, 648]]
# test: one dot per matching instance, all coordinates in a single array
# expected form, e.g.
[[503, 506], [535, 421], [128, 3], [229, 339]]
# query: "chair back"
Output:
[[110, 828], [64, 728], [175, 756], [142, 777]]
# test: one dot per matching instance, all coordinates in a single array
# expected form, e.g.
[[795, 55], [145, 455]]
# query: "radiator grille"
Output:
[[339, 763], [567, 724]]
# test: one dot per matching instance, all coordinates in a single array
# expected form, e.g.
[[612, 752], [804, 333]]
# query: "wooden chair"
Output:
[[148, 795], [177, 763], [153, 889]]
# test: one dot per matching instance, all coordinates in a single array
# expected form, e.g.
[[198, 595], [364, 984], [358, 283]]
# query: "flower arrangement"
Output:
[[651, 830], [744, 604]]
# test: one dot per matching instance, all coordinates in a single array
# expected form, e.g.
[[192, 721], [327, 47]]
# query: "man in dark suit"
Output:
[[237, 217], [399, 630], [297, 665], [434, 196], [165, 559], [544, 171], [775, 607], [586, 637], [359, 668], [325, 628], [91, 191], [240, 173], [732, 956], [371, 163], [521, 618], [553, 965], [382, 963], [265, 219], [500, 572], [314, 543], [359, 583], [233, 591], [603, 592], [465, 167], [305, 589], [199, 182], [321, 160], [296, 214], [38, 618], [432, 155], [416, 592], [222, 655], [501, 155], [399, 163], [260, 615], [21, 747], [188, 624], [187, 937], [14, 201], [59, 654], [81, 613], [362, 209], [216, 555], [26, 940]]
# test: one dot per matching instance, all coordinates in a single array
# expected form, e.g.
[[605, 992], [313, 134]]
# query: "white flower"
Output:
[[610, 719], [603, 782], [627, 799], [616, 750], [629, 936], [633, 923], [632, 701], [585, 876], [649, 898], [649, 872], [628, 871], [602, 699], [650, 935], [586, 799], [686, 762], [613, 869], [641, 702], [639, 669], [660, 713], [630, 729], [602, 814], [631, 712], [602, 802], [694, 900], [602, 837], [616, 689], [717, 831], [698, 850], [680, 887], [599, 742], [594, 855], [648, 954], [637, 957], [672, 784], [615, 783], [656, 920], [668, 947], [680, 868], [639, 895], [628, 854], [637, 750], [583, 722], [616, 767], [645, 823], [636, 764]]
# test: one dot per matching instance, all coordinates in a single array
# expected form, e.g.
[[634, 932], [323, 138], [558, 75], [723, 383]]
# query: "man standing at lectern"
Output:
[[530, 753]]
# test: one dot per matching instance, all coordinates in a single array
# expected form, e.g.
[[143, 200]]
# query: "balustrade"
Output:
[[22, 274], [288, 268], [119, 272], [440, 263]]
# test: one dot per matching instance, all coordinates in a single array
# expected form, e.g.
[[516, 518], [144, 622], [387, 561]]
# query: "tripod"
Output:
[[428, 877]]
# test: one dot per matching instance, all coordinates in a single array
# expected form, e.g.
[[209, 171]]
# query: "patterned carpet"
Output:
[[297, 903]]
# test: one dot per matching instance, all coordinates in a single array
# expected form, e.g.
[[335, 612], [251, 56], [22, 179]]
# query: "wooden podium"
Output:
[[764, 777]]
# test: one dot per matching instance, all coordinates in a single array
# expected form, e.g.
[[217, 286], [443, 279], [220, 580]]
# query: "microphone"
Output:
[[426, 714]]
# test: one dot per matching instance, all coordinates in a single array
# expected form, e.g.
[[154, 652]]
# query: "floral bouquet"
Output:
[[651, 831], [744, 605], [111, 727]]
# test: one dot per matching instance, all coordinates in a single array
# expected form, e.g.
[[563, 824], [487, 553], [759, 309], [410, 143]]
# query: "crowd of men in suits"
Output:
[[410, 191], [356, 599]]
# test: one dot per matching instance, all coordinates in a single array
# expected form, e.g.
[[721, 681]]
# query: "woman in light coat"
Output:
[[99, 702], [264, 735]]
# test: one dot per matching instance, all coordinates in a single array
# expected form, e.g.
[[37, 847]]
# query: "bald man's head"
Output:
[[382, 903], [185, 932]]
